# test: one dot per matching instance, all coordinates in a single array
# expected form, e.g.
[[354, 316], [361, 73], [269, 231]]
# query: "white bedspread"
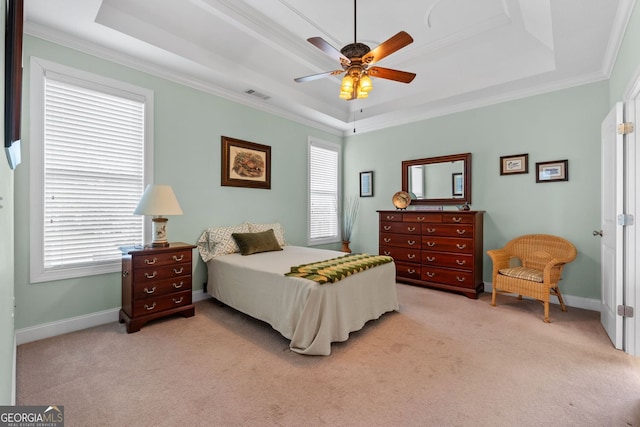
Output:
[[311, 315]]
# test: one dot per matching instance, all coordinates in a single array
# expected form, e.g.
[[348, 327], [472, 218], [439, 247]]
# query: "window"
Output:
[[90, 159], [324, 195]]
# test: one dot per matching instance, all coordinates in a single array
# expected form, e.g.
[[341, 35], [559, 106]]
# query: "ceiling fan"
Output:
[[356, 60]]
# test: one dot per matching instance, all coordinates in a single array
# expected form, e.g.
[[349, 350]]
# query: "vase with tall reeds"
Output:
[[349, 215]]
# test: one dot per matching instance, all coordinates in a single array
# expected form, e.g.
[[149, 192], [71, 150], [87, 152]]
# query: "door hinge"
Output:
[[625, 219], [625, 128], [625, 311]]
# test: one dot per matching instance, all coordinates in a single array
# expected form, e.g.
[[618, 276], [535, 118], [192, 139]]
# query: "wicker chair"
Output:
[[541, 258]]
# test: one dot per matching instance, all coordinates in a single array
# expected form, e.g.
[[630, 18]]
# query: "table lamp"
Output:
[[158, 200]]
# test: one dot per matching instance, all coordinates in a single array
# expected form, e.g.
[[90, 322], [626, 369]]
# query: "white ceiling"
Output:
[[466, 53]]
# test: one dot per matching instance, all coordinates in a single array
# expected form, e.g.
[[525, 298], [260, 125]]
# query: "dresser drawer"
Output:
[[447, 244], [151, 274], [410, 271], [154, 260], [452, 230], [457, 218], [446, 259], [404, 241], [401, 254], [448, 277], [160, 303], [400, 228], [422, 217], [390, 216], [161, 287]]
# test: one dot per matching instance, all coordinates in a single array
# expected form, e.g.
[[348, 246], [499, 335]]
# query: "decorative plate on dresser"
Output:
[[435, 249], [401, 200]]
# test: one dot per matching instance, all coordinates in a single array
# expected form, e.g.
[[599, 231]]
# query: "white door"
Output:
[[611, 232]]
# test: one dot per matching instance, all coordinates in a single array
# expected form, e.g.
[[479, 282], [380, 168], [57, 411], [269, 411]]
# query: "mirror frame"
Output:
[[465, 157]]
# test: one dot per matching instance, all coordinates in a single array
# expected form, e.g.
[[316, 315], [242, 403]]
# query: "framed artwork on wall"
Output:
[[245, 164], [557, 170], [515, 164], [366, 184]]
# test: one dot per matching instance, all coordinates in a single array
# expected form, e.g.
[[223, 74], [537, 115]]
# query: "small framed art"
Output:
[[515, 164], [366, 184], [557, 170], [245, 164]]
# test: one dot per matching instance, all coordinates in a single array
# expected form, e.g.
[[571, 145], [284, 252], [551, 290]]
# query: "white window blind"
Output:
[[93, 175], [324, 184]]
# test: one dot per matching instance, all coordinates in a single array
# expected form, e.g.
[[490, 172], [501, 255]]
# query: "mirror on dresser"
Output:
[[443, 180]]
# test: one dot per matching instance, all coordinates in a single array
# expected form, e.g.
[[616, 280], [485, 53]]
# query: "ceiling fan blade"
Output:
[[387, 47], [329, 50], [318, 76], [388, 73]]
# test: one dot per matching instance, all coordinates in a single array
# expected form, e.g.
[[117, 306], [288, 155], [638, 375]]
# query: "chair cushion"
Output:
[[523, 273]]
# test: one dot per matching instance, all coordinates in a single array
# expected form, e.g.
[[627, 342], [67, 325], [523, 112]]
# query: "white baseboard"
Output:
[[72, 324], [570, 300]]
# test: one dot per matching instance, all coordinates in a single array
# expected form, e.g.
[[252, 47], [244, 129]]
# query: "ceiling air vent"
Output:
[[258, 94]]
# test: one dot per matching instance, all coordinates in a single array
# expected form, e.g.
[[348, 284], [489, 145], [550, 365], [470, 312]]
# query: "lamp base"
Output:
[[159, 230]]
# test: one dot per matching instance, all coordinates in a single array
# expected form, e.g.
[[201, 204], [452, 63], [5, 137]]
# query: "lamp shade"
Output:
[[158, 200]]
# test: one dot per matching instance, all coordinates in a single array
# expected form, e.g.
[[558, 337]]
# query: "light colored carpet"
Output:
[[442, 360]]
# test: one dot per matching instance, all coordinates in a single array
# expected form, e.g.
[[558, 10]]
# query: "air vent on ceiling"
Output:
[[258, 94]]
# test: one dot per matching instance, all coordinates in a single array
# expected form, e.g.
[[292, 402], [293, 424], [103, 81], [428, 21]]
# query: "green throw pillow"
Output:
[[252, 243]]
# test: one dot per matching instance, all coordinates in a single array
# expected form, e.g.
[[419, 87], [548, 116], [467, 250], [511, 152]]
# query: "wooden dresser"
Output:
[[156, 282], [436, 249]]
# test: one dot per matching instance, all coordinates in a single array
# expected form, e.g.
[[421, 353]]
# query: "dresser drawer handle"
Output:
[[147, 291], [411, 242], [178, 285], [178, 259], [461, 246], [411, 271], [411, 256], [461, 261], [387, 227], [420, 218], [430, 274], [461, 231], [411, 229], [431, 258], [456, 219], [387, 240], [176, 271], [151, 307], [178, 301], [387, 253], [431, 230], [460, 279], [150, 261], [431, 244], [390, 217], [151, 276]]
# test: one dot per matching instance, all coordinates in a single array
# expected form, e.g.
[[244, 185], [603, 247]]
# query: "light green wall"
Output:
[[627, 61], [188, 127], [555, 126]]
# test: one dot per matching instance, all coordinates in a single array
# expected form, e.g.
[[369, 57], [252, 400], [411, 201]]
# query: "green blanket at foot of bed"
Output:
[[335, 269]]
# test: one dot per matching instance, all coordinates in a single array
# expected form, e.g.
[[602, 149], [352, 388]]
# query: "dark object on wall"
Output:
[[13, 80]]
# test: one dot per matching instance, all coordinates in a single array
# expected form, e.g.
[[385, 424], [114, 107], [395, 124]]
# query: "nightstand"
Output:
[[156, 282]]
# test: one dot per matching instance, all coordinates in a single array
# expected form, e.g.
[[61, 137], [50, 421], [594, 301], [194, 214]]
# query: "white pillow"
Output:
[[277, 228], [218, 241]]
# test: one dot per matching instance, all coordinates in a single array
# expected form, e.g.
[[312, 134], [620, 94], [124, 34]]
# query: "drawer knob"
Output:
[[431, 244], [387, 253], [152, 290], [420, 218], [411, 242], [461, 231], [387, 240], [178, 301], [456, 219], [430, 274], [461, 246], [387, 227], [150, 307], [431, 230], [150, 261], [151, 276], [460, 279], [411, 271], [411, 256], [461, 261], [176, 271], [431, 258], [411, 229], [125, 273], [178, 258], [390, 216], [178, 285]]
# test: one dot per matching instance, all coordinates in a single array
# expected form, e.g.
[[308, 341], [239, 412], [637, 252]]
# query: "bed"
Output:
[[310, 314]]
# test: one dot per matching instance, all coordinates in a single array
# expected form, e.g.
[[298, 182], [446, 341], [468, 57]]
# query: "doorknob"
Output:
[[597, 233]]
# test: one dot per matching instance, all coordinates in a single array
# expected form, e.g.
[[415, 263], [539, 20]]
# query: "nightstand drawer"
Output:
[[161, 287], [160, 303], [145, 275], [155, 260]]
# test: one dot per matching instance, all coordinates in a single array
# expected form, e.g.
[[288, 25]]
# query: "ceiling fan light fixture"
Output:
[[347, 83], [365, 83]]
